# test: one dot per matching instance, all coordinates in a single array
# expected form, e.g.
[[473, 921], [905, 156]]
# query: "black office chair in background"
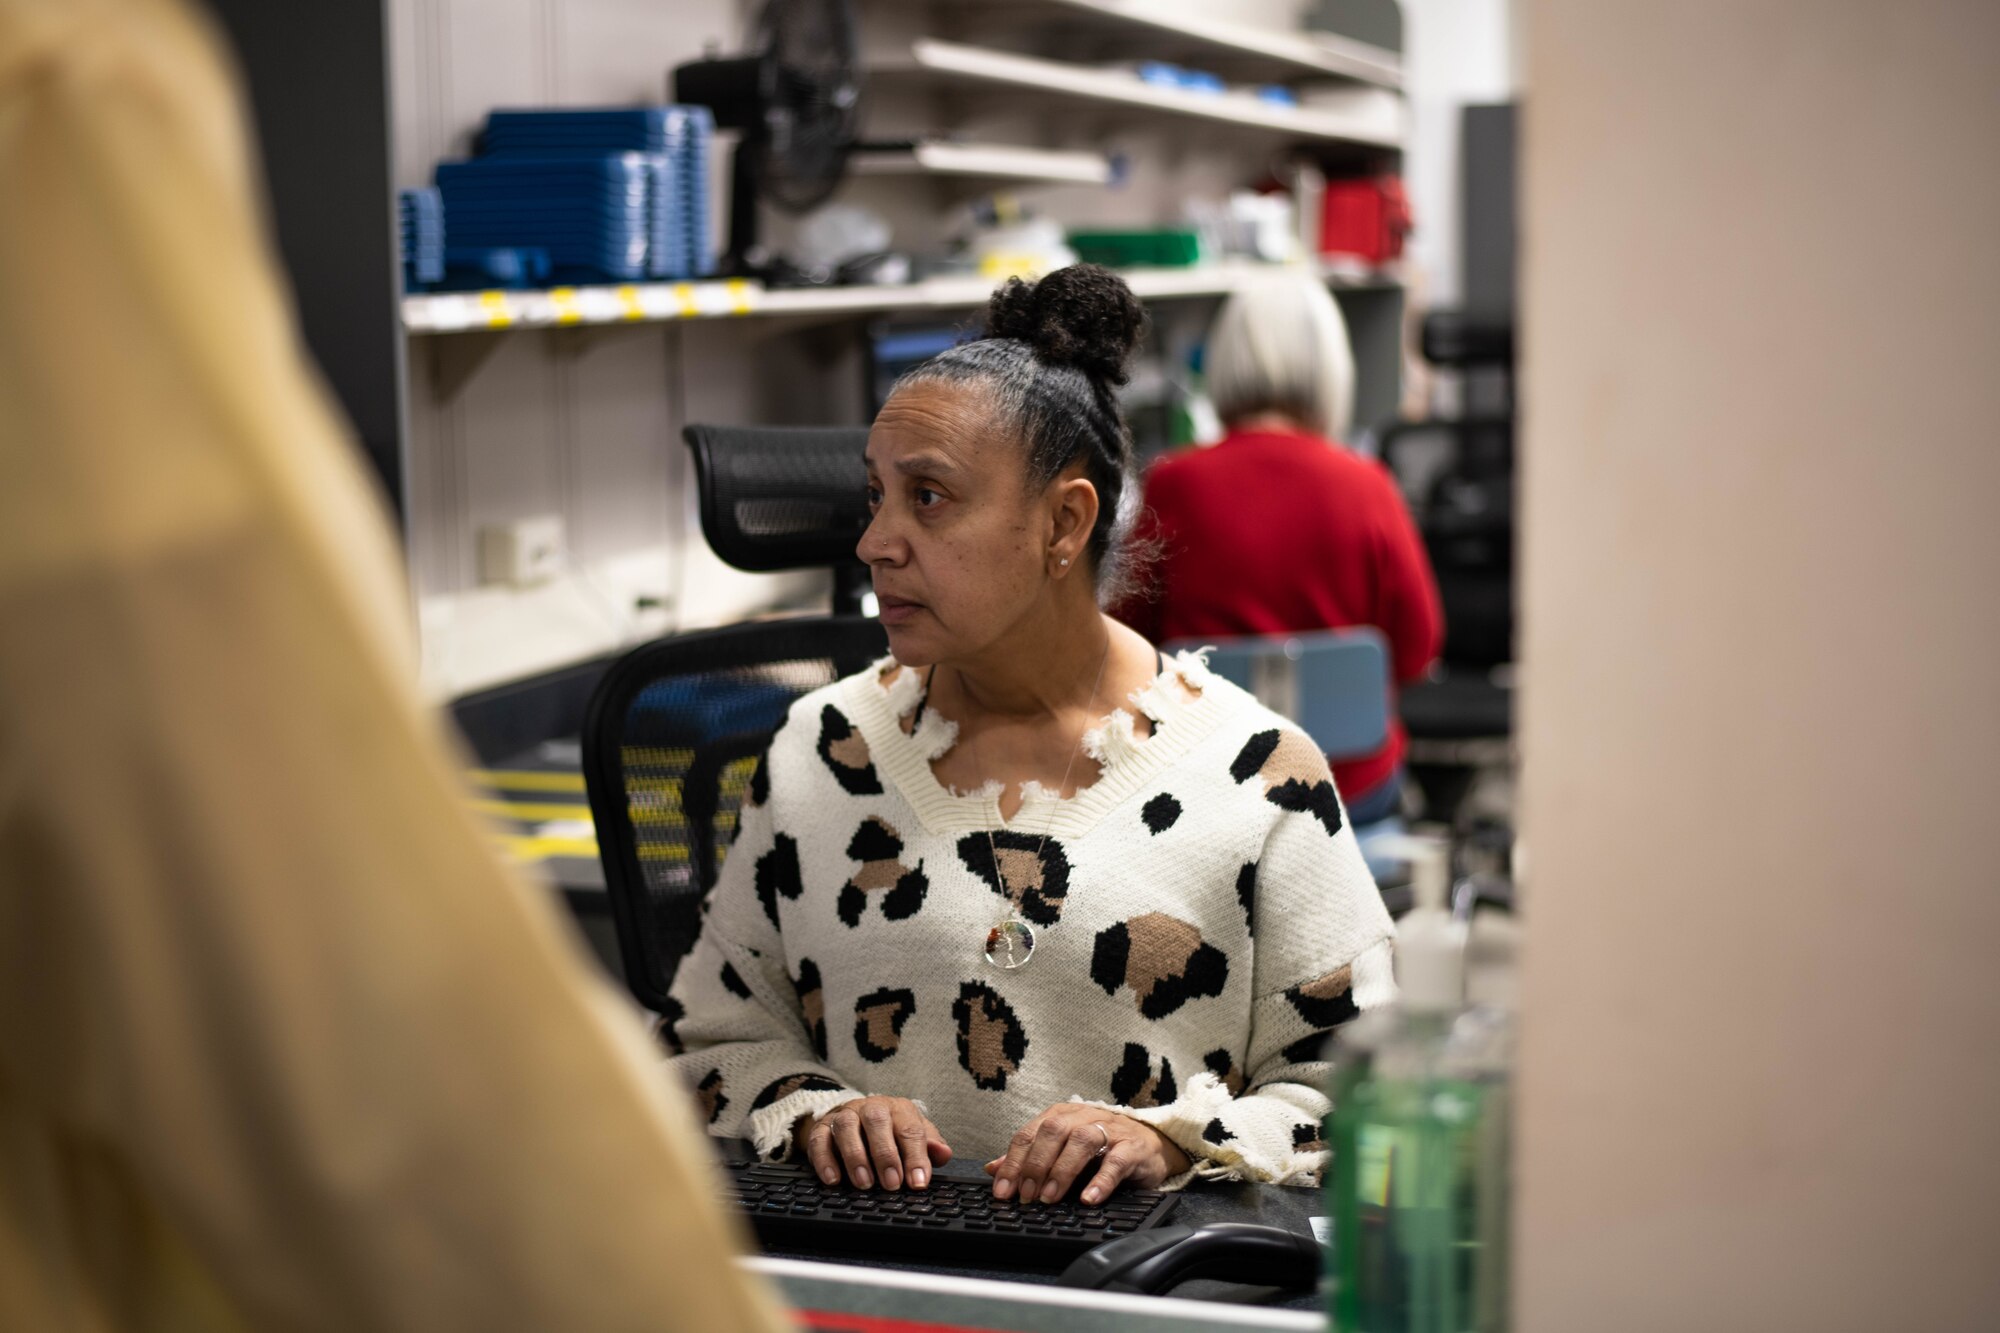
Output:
[[676, 728], [1458, 476]]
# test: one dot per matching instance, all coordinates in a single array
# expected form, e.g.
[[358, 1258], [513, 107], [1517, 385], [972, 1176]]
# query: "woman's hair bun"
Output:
[[1083, 316]]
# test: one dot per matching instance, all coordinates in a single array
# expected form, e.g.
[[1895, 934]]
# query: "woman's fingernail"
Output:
[[917, 1177], [1092, 1195], [1051, 1192], [830, 1176], [861, 1177], [891, 1180], [1002, 1188]]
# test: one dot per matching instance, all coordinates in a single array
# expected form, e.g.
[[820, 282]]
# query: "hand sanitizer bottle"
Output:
[[1417, 1189]]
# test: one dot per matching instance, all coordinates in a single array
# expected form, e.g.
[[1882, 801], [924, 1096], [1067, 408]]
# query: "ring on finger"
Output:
[[1105, 1146]]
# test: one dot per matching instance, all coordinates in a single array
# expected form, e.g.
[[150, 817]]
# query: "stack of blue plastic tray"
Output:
[[590, 212], [691, 150], [676, 138], [420, 229]]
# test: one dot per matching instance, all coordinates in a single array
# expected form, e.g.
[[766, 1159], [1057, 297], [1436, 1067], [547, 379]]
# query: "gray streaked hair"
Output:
[[1280, 345]]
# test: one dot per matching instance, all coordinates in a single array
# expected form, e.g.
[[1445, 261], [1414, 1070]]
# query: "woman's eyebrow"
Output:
[[926, 465]]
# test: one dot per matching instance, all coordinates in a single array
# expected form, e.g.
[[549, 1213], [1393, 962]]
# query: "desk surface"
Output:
[[1201, 1203], [834, 1298]]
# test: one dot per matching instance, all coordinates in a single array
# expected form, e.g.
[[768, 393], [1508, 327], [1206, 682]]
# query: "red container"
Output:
[[1364, 219]]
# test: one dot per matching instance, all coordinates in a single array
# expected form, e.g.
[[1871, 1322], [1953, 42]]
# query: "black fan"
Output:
[[796, 98]]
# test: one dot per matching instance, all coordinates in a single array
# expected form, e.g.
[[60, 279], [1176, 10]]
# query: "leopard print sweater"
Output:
[[1203, 920]]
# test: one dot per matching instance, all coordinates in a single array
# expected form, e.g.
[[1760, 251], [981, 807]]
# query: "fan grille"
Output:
[[813, 98]]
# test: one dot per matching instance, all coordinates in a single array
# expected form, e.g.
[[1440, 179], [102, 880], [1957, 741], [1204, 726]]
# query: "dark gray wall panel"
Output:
[[319, 94]]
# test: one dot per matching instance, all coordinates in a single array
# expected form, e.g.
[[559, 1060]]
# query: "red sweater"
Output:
[[1273, 531]]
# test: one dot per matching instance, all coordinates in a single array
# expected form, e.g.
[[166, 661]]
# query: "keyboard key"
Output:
[[978, 1224], [935, 1221]]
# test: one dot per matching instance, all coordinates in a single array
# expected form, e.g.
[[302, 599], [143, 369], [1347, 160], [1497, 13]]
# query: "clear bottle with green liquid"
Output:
[[1418, 1186]]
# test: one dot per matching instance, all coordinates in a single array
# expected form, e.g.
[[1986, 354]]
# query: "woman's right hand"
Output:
[[888, 1139]]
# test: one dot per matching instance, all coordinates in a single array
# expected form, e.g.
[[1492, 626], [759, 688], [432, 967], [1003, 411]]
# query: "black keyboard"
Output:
[[956, 1220]]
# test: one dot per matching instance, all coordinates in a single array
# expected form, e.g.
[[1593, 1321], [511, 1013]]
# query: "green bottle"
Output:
[[1418, 1187]]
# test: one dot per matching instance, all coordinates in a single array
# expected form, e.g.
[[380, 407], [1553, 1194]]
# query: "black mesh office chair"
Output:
[[676, 728], [1458, 476]]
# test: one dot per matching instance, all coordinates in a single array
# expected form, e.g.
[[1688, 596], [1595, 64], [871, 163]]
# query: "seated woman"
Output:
[[1278, 528], [974, 904]]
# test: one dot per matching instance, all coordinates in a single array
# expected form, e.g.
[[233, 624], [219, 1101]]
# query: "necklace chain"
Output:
[[1055, 805]]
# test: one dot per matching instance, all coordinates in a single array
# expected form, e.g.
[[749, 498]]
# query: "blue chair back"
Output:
[[1333, 683]]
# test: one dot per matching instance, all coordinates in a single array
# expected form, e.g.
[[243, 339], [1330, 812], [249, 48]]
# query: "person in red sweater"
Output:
[[1278, 528]]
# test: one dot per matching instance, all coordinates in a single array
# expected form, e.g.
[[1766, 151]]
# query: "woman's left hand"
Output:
[[1049, 1152]]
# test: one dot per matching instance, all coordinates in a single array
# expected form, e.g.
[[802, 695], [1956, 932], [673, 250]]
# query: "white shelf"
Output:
[[1374, 118], [471, 312], [993, 162], [1240, 48]]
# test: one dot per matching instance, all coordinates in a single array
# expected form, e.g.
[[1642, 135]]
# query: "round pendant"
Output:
[[1010, 944]]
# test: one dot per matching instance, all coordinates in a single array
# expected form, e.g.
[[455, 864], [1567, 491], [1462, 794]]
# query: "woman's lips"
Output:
[[896, 610]]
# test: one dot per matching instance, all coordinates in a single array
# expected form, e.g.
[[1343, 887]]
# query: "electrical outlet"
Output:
[[523, 553]]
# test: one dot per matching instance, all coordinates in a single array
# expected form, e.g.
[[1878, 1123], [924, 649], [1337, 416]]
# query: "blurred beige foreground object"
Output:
[[282, 1043], [1760, 725]]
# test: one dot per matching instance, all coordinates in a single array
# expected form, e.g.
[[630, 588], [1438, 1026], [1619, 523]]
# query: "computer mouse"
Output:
[[1151, 1262]]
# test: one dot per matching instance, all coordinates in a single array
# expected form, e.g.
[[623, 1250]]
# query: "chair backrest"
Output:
[[1333, 683], [671, 741]]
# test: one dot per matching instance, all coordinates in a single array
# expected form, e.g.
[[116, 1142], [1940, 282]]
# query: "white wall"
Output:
[[1760, 725]]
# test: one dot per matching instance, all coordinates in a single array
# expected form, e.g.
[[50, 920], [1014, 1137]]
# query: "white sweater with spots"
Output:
[[1202, 918]]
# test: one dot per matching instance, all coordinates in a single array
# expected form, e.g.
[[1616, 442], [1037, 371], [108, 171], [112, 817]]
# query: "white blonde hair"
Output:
[[1280, 345]]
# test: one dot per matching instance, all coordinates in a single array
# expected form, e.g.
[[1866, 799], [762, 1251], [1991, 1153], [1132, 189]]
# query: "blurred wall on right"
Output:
[[1761, 666]]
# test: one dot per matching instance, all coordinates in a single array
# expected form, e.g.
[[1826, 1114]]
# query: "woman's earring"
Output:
[[1065, 561]]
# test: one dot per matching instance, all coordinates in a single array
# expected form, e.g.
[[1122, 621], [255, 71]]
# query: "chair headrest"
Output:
[[1454, 338], [781, 497]]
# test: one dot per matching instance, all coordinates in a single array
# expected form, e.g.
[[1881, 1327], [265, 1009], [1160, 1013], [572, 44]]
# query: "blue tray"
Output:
[[636, 218]]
